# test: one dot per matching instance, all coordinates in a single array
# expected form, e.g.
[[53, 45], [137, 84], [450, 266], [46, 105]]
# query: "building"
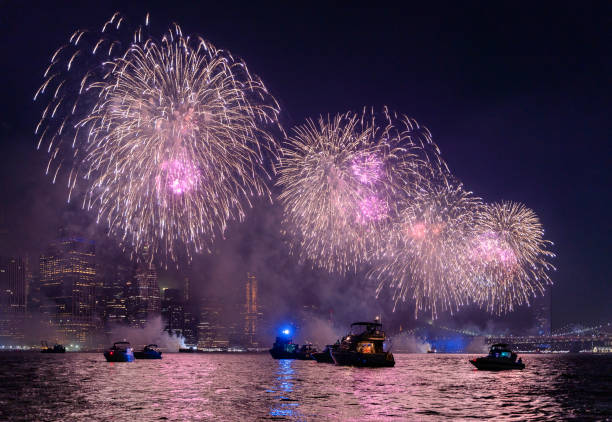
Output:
[[68, 284], [186, 293], [252, 312], [190, 325], [212, 332], [13, 285], [115, 296], [144, 302], [13, 299], [173, 312], [542, 307]]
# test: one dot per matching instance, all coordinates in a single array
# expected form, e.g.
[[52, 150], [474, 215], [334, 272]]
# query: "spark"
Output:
[[341, 178], [171, 138]]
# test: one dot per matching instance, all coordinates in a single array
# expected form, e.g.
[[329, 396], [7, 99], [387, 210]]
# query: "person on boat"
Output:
[[520, 360]]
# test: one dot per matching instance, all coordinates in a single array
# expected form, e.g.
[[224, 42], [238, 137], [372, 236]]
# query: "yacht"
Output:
[[363, 346], [500, 358]]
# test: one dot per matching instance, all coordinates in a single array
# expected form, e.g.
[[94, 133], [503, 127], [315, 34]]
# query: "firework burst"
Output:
[[508, 257], [424, 259], [168, 138], [341, 178]]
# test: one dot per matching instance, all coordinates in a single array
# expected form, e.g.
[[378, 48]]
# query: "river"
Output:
[[237, 387]]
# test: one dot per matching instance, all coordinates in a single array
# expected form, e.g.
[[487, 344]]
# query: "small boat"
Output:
[[432, 351], [121, 351], [187, 350], [284, 348], [58, 348], [306, 352], [363, 346], [150, 351], [500, 358], [325, 356]]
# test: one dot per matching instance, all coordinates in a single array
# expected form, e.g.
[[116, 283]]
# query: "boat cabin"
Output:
[[501, 350], [121, 345], [365, 337], [370, 329]]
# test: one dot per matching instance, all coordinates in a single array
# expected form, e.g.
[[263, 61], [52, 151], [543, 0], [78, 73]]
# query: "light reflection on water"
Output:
[[286, 407], [234, 387]]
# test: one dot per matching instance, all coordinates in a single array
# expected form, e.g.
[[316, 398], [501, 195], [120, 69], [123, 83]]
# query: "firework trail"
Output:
[[508, 257], [169, 138], [341, 178], [425, 257]]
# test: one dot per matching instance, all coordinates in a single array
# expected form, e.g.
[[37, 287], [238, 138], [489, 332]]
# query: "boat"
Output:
[[187, 350], [121, 351], [150, 351], [500, 358], [325, 356], [58, 348], [284, 348], [363, 347], [433, 350], [306, 352]]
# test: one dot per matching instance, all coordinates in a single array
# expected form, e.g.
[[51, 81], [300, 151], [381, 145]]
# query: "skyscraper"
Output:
[[252, 314], [114, 297], [67, 282], [145, 298], [173, 312], [213, 324], [13, 289], [13, 286], [542, 307]]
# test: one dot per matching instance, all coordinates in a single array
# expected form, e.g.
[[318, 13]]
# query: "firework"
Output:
[[168, 138], [341, 178], [508, 256], [425, 257]]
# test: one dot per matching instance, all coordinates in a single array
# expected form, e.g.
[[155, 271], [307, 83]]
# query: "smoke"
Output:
[[153, 332], [477, 345], [409, 343], [320, 332]]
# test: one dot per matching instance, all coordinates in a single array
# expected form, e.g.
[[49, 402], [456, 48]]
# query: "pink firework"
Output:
[[489, 249], [367, 168], [179, 176], [372, 209]]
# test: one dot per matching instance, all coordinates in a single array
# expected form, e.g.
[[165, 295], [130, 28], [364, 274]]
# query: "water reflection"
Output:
[[212, 387], [284, 385]]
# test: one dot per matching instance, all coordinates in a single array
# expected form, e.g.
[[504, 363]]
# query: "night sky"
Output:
[[515, 95]]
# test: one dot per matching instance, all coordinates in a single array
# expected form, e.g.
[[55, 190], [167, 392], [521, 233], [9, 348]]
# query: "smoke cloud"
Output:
[[409, 343], [153, 332]]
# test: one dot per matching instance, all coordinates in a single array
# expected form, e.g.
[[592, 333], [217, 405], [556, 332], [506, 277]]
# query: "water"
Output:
[[232, 387]]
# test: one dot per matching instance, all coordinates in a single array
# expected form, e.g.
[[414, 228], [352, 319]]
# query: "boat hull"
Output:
[[119, 356], [147, 355], [283, 354], [304, 355], [366, 360], [485, 364], [323, 357]]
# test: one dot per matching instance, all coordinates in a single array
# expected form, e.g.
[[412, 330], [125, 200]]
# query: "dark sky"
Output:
[[515, 94]]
